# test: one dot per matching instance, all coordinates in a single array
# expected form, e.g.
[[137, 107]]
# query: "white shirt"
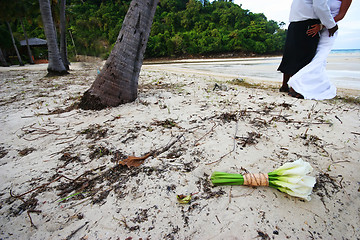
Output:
[[334, 6], [311, 9]]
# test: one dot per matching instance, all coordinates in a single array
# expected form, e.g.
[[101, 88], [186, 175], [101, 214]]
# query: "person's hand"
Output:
[[333, 30], [314, 30]]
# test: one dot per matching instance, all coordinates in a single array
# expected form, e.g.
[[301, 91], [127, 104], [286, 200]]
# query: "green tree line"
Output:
[[200, 27], [180, 27]]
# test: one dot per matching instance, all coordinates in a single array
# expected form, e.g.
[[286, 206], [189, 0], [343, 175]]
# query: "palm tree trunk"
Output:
[[63, 48], [14, 44], [55, 66], [3, 60], [117, 82], [27, 43], [72, 39]]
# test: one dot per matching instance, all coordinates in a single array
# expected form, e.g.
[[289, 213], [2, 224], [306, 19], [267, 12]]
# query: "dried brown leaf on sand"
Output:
[[133, 161]]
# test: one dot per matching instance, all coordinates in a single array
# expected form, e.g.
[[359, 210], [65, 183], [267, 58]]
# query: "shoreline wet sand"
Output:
[[343, 69]]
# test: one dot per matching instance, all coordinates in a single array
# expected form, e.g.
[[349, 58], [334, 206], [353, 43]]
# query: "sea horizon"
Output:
[[350, 50]]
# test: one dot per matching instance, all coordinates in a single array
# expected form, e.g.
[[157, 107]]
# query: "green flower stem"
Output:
[[222, 178]]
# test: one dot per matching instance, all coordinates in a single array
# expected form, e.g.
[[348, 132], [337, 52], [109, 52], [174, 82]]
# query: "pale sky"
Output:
[[278, 10]]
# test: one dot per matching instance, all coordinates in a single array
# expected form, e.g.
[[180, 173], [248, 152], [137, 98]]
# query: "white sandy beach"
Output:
[[60, 177]]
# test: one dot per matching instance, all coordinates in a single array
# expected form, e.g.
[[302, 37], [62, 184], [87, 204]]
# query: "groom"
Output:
[[299, 47]]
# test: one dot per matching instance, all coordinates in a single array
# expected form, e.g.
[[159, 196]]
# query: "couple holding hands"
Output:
[[310, 37]]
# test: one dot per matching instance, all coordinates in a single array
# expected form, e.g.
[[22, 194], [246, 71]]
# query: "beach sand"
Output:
[[60, 177], [343, 70]]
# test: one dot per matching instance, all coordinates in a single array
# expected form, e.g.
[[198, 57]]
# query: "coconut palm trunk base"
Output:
[[54, 73], [117, 82], [55, 66], [90, 101], [108, 91]]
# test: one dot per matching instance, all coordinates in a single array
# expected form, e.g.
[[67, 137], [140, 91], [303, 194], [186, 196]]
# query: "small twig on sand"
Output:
[[32, 211], [12, 195], [71, 140], [167, 147], [232, 150], [74, 232], [230, 194], [304, 122], [44, 185], [137, 161], [212, 129], [217, 219], [305, 134], [338, 119], [41, 132], [56, 179]]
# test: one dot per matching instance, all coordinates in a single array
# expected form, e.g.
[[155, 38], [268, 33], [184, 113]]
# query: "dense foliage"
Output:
[[200, 27], [180, 27]]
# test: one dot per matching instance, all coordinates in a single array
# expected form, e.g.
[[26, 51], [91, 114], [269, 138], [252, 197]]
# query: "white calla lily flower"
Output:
[[292, 179]]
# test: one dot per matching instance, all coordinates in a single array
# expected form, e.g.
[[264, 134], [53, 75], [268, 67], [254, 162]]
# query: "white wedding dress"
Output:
[[312, 80]]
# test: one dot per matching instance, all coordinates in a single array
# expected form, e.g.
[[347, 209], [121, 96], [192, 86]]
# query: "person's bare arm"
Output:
[[345, 4]]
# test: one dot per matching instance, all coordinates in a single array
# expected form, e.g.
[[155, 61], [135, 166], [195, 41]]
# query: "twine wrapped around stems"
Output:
[[256, 179]]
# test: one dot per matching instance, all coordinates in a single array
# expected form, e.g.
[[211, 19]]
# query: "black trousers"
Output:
[[300, 48]]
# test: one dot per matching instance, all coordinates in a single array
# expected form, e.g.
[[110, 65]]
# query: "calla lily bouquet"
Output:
[[290, 178]]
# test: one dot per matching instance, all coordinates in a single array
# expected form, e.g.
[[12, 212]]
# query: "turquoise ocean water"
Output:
[[345, 51]]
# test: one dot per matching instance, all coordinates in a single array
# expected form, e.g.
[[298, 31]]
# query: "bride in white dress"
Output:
[[312, 81]]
